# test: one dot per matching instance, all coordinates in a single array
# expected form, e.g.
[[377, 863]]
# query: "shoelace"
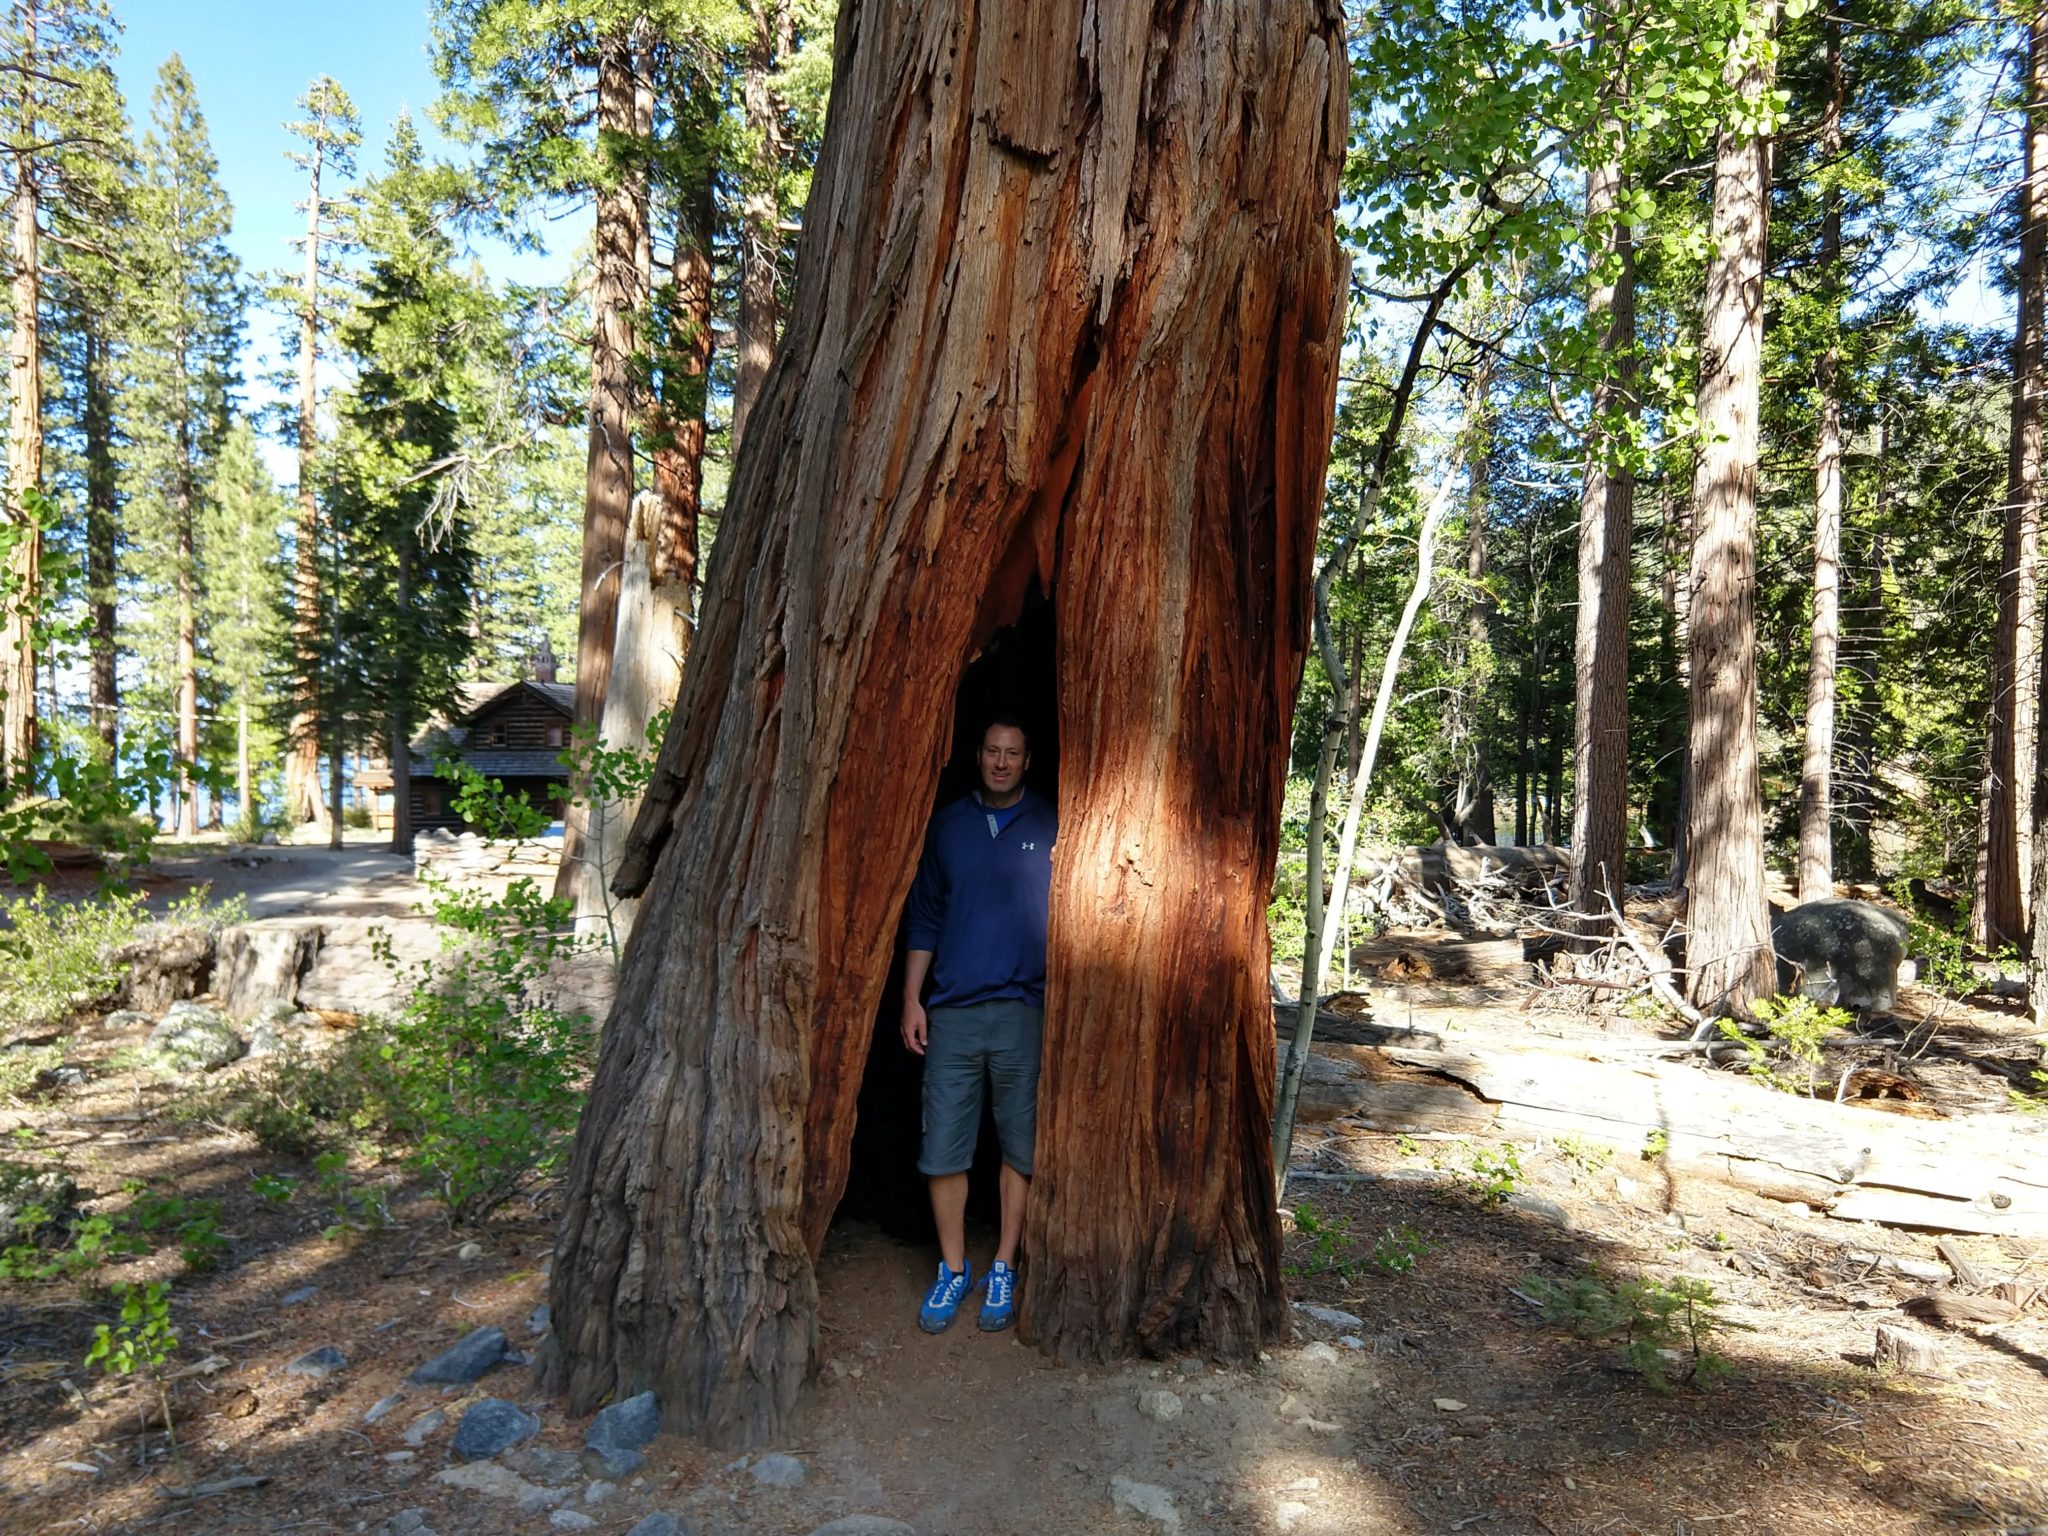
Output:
[[999, 1282], [948, 1288]]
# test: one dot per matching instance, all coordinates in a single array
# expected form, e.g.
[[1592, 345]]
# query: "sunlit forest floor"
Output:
[[1430, 1396]]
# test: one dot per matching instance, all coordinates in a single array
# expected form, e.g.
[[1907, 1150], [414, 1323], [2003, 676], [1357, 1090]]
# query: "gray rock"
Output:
[[1542, 1209], [317, 1364], [1190, 1366], [490, 1477], [383, 1408], [549, 1468], [570, 1520], [407, 1522], [1840, 953], [23, 1188], [777, 1470], [194, 1038], [1147, 1499], [599, 1491], [861, 1525], [300, 1297], [661, 1525], [1332, 1317], [264, 1040], [491, 1426], [417, 1431], [539, 1321], [465, 1362], [162, 964], [1159, 1405], [121, 1020], [1320, 1353], [627, 1425]]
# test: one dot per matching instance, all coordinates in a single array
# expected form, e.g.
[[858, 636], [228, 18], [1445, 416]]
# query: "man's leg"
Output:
[[1013, 1083], [949, 1210], [1016, 1190]]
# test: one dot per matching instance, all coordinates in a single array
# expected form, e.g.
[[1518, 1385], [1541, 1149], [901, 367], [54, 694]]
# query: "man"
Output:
[[977, 929]]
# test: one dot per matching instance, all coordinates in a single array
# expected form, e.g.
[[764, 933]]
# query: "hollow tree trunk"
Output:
[[1999, 914], [302, 754], [608, 474], [1816, 779], [761, 210], [1728, 944], [1607, 505], [1031, 250], [102, 537], [24, 457]]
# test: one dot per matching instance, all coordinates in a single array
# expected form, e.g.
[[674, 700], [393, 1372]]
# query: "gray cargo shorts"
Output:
[[989, 1047]]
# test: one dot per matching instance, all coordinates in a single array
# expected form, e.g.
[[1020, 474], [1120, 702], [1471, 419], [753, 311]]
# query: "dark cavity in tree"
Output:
[[1014, 676]]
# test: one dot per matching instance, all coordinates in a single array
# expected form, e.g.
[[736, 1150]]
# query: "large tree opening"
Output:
[[1014, 675]]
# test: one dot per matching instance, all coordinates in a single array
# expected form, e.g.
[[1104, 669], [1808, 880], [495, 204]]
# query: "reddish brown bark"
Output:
[[1068, 306], [1728, 944], [302, 757], [760, 228], [24, 446], [1998, 915]]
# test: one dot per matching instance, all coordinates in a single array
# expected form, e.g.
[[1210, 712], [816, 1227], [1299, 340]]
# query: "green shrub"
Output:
[[1330, 1244], [56, 953], [22, 1068], [1796, 1028], [1490, 1174], [1658, 1324], [1397, 1250]]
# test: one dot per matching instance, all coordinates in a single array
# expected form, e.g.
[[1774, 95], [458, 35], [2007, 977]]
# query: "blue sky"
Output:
[[249, 60]]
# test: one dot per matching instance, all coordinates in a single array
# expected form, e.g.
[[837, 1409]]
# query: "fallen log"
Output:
[[1854, 1163], [1440, 867], [1409, 957]]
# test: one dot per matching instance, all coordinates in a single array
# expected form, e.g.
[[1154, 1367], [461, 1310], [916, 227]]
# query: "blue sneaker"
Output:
[[943, 1300], [999, 1302]]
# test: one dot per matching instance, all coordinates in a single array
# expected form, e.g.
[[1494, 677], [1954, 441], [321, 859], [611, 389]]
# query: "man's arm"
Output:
[[918, 964]]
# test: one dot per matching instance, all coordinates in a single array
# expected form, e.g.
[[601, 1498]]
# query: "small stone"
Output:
[[538, 1321], [317, 1364], [1449, 1405], [660, 1525], [84, 1468], [626, 1425], [861, 1525], [1304, 1485], [423, 1426], [599, 1491], [491, 1426], [1209, 1399], [194, 1038], [1146, 1499], [264, 1040], [1288, 1513], [300, 1297], [469, 1253], [399, 1456], [1542, 1209], [125, 1019], [1331, 1317], [549, 1468], [1624, 1186], [1320, 1353], [383, 1407], [1159, 1405], [777, 1470], [1190, 1366], [1351, 1341], [1317, 1426], [407, 1522], [615, 1465], [570, 1520], [464, 1362]]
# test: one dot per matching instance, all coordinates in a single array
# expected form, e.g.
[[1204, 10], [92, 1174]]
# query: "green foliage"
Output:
[[1397, 1250], [58, 953], [1659, 1325], [22, 1068], [1586, 1156], [194, 1225], [356, 1208], [143, 1341], [273, 1188], [1490, 1174], [1655, 1145], [1796, 1028], [92, 1241], [488, 806], [1332, 1246]]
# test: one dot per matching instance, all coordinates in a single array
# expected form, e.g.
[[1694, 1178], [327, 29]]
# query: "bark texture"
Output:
[[619, 236], [1068, 306], [302, 755], [1728, 945], [24, 453], [1607, 508], [1816, 777], [761, 210], [102, 539], [1998, 915]]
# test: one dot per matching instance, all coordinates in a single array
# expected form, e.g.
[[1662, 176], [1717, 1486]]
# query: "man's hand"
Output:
[[914, 1025]]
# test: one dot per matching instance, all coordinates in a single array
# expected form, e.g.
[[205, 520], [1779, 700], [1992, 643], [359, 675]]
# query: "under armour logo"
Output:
[[1030, 847]]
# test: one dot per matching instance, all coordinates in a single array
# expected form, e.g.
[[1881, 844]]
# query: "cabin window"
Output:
[[497, 736], [554, 735]]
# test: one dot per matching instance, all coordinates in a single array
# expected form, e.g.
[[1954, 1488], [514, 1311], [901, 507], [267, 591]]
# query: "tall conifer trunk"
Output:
[[187, 595], [1998, 915], [1074, 315], [1607, 506], [24, 442], [302, 753], [608, 476], [761, 211], [1728, 945], [1816, 780], [2029, 388], [102, 537]]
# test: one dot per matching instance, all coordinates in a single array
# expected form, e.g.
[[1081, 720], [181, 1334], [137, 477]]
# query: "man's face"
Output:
[[1003, 760]]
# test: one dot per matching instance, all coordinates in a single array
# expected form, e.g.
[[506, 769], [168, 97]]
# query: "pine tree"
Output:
[[329, 133], [401, 636], [242, 615], [61, 124], [187, 304]]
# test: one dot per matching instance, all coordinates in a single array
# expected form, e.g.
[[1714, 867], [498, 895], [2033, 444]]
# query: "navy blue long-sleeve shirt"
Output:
[[979, 901]]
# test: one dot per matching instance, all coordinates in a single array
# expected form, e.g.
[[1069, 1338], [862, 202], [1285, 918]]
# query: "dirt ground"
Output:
[[1447, 1406]]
